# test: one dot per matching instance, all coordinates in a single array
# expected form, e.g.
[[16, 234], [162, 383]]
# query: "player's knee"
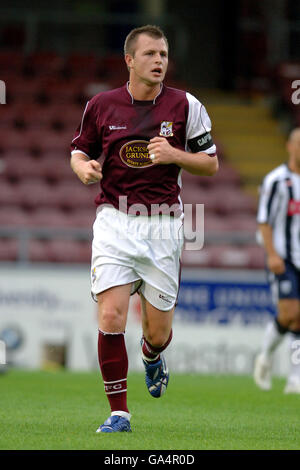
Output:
[[157, 338], [111, 318]]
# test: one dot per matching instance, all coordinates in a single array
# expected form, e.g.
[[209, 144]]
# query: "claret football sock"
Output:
[[151, 353], [113, 361]]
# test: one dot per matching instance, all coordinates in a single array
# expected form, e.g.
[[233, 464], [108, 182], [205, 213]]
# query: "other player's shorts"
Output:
[[141, 250], [287, 284]]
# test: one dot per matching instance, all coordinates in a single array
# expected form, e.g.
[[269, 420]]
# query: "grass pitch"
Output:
[[62, 410]]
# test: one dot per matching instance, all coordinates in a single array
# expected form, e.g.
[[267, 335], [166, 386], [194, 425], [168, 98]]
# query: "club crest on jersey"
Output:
[[166, 129]]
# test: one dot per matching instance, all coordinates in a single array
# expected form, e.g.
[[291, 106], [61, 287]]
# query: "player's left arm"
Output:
[[199, 156], [198, 163]]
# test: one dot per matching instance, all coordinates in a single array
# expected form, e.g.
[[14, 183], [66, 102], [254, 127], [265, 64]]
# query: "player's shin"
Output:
[[113, 361], [273, 336], [151, 353]]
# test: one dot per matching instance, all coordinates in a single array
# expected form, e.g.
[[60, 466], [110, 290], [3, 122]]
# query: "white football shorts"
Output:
[[141, 250]]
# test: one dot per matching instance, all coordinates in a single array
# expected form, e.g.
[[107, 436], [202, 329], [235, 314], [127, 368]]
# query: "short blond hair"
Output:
[[152, 30]]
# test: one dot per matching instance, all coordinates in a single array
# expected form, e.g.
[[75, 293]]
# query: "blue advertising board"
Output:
[[222, 301]]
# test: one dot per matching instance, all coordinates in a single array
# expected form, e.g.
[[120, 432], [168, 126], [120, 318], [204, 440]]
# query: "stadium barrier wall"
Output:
[[48, 319]]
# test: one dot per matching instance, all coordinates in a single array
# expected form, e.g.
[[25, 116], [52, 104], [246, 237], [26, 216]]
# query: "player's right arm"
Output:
[[86, 146], [266, 217], [274, 262], [88, 171]]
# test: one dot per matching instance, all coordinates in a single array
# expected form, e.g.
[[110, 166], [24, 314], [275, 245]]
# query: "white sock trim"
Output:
[[148, 359], [108, 333], [124, 414]]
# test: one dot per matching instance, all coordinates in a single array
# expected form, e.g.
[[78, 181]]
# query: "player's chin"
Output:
[[155, 79]]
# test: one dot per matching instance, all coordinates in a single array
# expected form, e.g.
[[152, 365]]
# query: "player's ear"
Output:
[[128, 60]]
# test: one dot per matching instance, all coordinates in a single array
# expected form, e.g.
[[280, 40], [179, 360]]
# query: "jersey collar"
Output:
[[137, 101]]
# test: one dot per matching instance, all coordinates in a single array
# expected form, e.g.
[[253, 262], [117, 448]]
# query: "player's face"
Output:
[[150, 60], [294, 147]]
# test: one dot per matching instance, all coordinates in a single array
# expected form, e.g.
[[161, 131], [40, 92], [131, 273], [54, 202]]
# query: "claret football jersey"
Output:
[[118, 128]]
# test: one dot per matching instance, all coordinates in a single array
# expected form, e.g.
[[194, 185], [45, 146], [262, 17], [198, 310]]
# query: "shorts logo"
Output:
[[285, 287], [166, 129], [135, 154], [163, 297]]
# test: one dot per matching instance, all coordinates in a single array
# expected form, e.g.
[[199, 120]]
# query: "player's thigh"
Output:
[[157, 324], [113, 306], [288, 291], [288, 311]]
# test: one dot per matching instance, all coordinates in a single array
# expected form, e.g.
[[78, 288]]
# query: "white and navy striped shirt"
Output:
[[279, 206]]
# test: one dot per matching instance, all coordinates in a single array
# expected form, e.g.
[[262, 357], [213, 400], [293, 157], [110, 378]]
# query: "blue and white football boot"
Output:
[[115, 423], [157, 376]]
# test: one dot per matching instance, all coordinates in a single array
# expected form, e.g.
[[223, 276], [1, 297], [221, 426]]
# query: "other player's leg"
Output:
[[285, 289], [293, 380]]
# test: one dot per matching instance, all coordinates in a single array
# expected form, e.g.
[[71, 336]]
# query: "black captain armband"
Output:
[[201, 143]]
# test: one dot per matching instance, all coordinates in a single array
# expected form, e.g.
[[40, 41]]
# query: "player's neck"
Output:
[[294, 166], [143, 92]]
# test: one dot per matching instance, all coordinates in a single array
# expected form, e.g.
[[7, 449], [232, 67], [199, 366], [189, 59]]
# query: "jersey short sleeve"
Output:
[[87, 137], [198, 128], [268, 200]]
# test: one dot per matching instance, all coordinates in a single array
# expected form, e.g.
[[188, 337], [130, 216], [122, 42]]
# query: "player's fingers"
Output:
[[153, 148], [96, 165], [157, 139]]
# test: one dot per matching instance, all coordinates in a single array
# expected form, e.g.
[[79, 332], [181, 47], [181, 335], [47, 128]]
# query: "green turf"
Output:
[[62, 410]]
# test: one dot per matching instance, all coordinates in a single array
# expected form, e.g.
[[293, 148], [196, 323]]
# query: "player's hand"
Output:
[[163, 152], [89, 172], [276, 264]]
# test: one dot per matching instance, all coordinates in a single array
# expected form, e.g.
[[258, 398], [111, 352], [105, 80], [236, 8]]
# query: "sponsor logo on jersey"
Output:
[[293, 207], [135, 154], [166, 129]]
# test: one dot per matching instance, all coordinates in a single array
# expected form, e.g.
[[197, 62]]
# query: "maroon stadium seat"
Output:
[[63, 92], [13, 216], [56, 169], [257, 257], [69, 251], [11, 61], [38, 250], [49, 217], [9, 249], [23, 166], [44, 63], [11, 139], [82, 65], [25, 90], [36, 193], [9, 195], [241, 222], [74, 194], [83, 218], [227, 256], [203, 257]]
